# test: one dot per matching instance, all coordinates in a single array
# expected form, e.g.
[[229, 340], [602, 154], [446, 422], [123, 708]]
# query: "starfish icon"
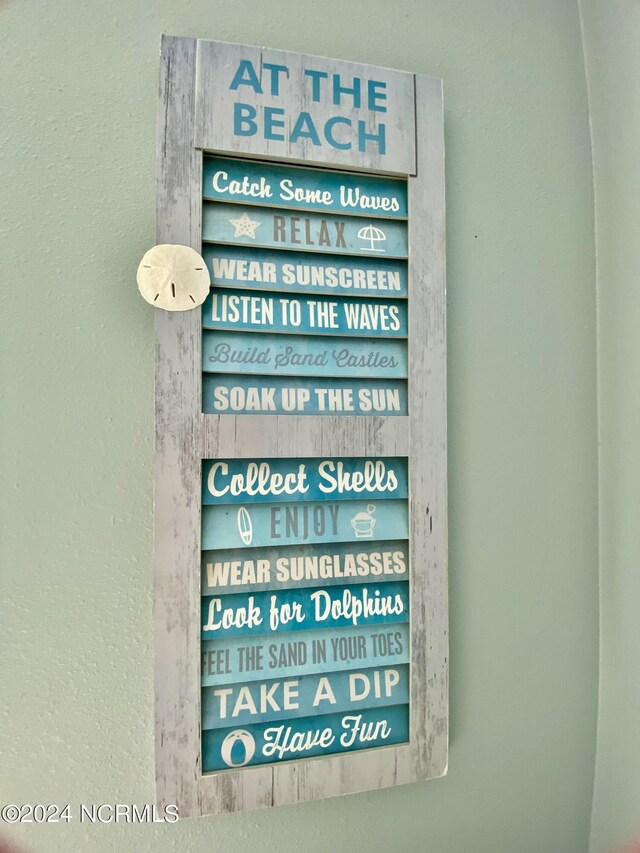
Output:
[[244, 226]]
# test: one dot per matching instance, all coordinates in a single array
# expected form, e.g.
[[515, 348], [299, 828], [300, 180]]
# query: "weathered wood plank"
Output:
[[308, 396], [274, 228], [282, 479], [177, 440], [267, 435], [372, 128], [334, 734], [220, 661], [303, 355], [298, 272], [255, 311], [251, 182], [273, 613], [428, 441], [303, 695], [298, 566], [335, 523]]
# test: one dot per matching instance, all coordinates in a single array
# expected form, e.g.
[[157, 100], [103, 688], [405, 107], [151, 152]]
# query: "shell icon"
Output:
[[245, 527], [238, 748], [173, 277], [373, 235]]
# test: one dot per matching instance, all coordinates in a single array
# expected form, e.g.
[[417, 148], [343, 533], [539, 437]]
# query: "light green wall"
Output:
[[612, 52], [79, 79]]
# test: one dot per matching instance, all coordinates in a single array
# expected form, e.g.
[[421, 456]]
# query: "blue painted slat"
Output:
[[302, 272], [302, 355], [235, 394], [251, 182], [272, 743], [303, 696], [257, 311], [303, 523], [296, 566], [311, 232], [241, 481], [239, 659], [241, 615]]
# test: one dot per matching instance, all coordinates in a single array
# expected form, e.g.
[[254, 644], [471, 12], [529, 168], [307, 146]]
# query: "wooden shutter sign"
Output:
[[300, 532]]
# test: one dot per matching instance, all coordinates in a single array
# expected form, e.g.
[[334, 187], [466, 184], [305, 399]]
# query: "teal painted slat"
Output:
[[303, 523], [300, 355], [236, 394], [311, 232], [303, 272], [241, 659], [304, 609], [241, 481], [303, 696], [296, 566], [251, 182], [307, 737], [256, 311]]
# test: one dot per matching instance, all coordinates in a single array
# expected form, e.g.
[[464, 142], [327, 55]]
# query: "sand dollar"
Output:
[[173, 277]]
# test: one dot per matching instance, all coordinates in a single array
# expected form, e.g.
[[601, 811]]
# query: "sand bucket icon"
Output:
[[364, 522]]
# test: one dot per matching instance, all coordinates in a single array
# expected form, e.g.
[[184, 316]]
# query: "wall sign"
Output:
[[300, 594]]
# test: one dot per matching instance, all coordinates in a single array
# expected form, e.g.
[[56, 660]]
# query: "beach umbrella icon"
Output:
[[373, 235]]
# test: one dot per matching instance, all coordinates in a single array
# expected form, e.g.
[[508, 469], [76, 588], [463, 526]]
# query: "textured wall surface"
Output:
[[78, 90], [612, 40]]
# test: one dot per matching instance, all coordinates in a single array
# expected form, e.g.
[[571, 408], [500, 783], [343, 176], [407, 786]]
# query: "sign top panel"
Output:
[[276, 104]]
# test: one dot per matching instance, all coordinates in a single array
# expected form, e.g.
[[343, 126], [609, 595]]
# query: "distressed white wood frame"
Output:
[[185, 436]]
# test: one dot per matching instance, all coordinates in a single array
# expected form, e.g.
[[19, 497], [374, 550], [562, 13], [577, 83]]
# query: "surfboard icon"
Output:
[[245, 528]]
